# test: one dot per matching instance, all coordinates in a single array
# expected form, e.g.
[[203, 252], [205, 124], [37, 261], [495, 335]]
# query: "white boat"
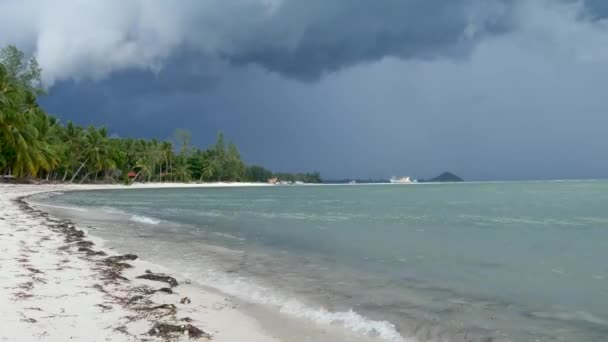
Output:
[[402, 180]]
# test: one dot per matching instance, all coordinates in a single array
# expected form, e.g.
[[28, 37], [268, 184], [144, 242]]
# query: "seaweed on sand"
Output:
[[114, 267], [169, 331], [118, 258], [159, 277], [169, 309], [91, 252]]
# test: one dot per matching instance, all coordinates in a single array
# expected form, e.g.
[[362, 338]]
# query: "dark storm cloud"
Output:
[[598, 9], [183, 73], [339, 34], [301, 39]]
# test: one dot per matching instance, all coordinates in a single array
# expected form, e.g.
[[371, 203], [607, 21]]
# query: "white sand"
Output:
[[51, 292]]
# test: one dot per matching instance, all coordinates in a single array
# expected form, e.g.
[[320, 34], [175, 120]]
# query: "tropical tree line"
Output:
[[34, 144]]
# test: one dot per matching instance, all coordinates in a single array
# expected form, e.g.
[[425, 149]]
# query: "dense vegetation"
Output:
[[34, 144]]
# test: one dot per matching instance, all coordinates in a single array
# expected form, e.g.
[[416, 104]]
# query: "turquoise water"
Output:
[[447, 262]]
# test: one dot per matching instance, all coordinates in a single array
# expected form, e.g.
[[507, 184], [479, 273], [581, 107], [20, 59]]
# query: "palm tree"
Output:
[[167, 151], [97, 153], [15, 132], [103, 152], [19, 116], [144, 168], [181, 170], [47, 141], [72, 140], [143, 161], [155, 156], [11, 99], [210, 169], [27, 157]]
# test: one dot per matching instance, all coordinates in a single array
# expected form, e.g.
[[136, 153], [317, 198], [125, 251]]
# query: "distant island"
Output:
[[442, 178], [445, 177]]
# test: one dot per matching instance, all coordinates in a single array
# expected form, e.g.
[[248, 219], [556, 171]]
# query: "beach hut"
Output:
[[132, 174]]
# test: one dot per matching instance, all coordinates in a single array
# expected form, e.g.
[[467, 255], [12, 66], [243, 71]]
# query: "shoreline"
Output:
[[58, 284], [120, 306]]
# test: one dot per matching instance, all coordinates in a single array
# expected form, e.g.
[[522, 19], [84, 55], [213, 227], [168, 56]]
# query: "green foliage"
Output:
[[256, 173], [34, 144], [27, 72], [314, 177], [217, 163]]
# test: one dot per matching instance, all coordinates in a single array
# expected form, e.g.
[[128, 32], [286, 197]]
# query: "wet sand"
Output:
[[57, 284]]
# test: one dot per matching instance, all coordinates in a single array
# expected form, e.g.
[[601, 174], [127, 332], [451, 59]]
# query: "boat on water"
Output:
[[402, 180]]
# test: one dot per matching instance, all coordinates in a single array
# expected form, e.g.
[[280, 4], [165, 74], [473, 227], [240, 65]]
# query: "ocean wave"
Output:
[[302, 216], [484, 220], [350, 320], [210, 214], [581, 316], [245, 289], [144, 219], [62, 207], [228, 236], [46, 195], [112, 210]]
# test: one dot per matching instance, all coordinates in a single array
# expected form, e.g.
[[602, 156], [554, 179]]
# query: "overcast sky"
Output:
[[488, 89]]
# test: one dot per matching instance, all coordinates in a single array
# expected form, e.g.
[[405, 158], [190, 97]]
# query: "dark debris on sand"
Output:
[[118, 258], [91, 252], [110, 270], [159, 277], [170, 331]]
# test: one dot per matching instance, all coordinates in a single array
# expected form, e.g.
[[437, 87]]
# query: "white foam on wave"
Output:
[[350, 320], [245, 289], [144, 219]]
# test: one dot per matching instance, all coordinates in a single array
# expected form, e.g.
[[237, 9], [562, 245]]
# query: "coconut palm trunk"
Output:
[[78, 171], [85, 177], [137, 175], [65, 175]]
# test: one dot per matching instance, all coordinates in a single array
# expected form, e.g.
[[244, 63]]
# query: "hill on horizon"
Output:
[[443, 178]]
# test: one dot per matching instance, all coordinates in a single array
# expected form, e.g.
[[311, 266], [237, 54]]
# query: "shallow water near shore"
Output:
[[455, 262]]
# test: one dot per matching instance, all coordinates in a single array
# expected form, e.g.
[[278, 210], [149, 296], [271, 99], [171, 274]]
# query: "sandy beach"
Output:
[[59, 285]]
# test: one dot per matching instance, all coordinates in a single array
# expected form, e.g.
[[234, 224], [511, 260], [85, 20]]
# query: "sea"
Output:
[[491, 261]]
